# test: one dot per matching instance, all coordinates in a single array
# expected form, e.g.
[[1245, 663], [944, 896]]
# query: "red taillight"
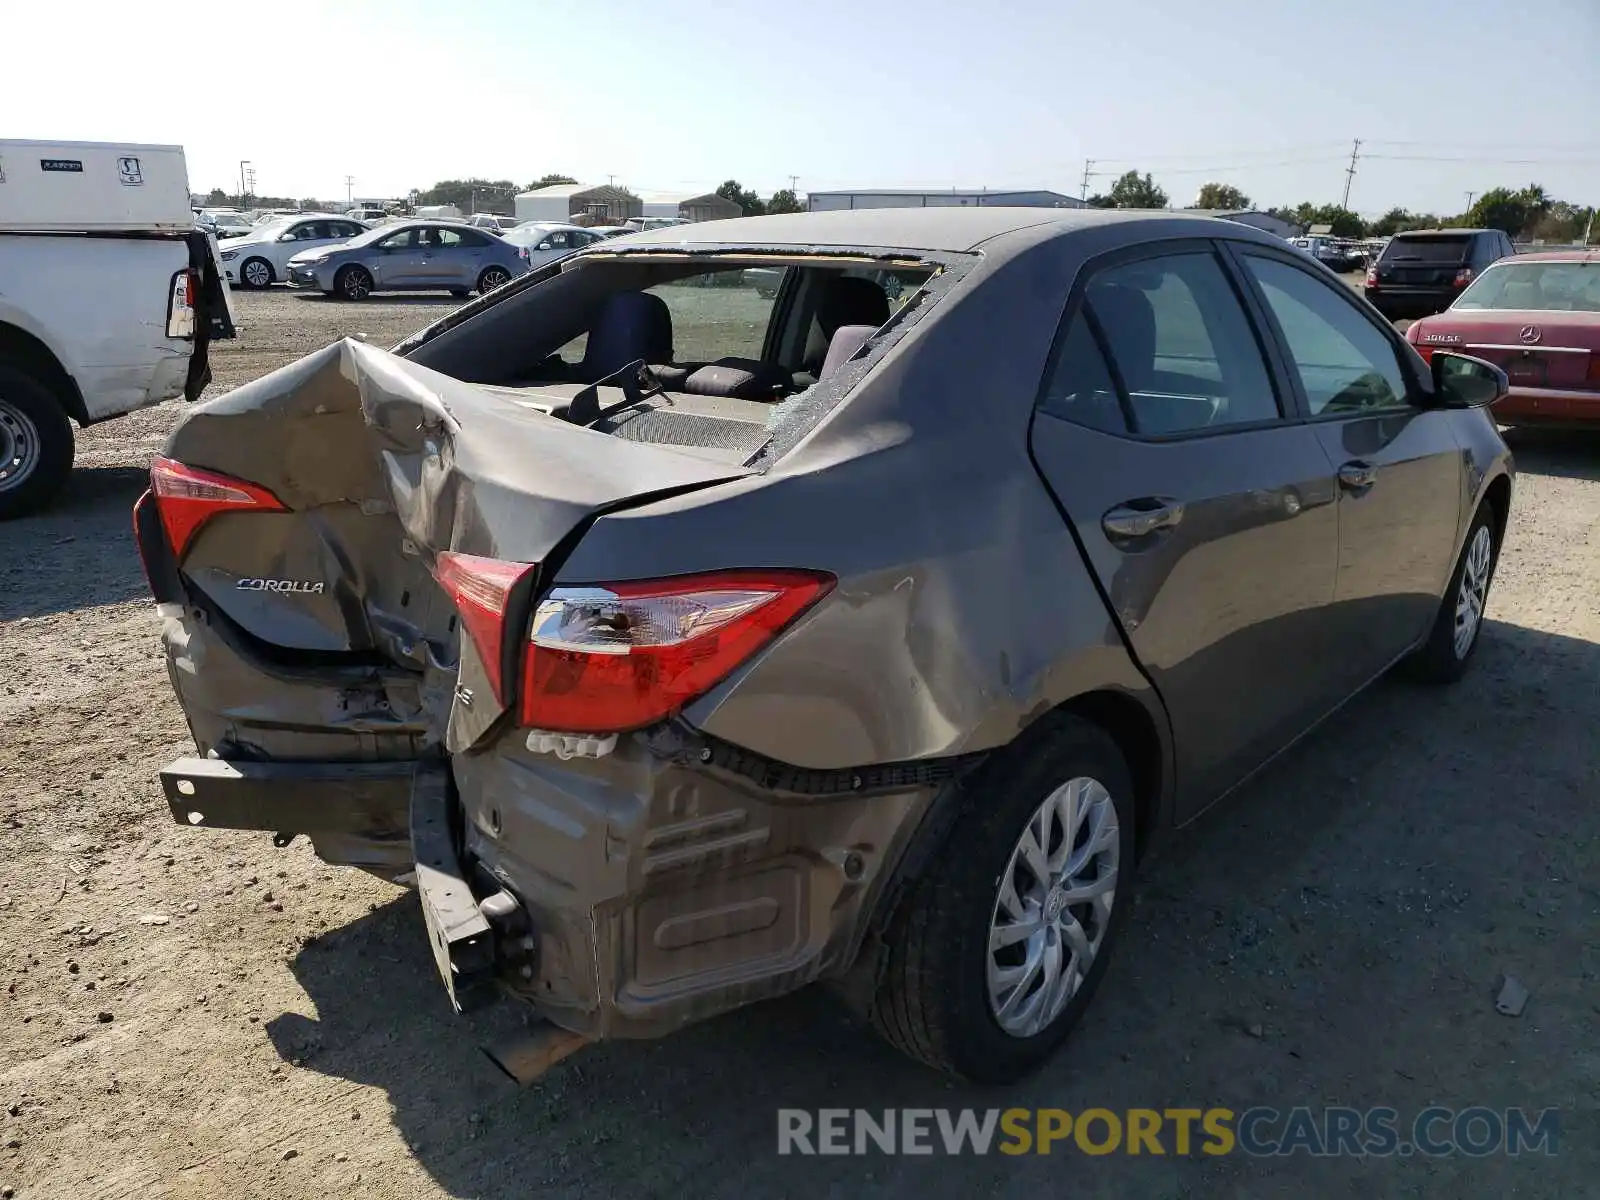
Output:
[[1426, 352], [187, 497], [1463, 277], [609, 658], [481, 589], [181, 304], [1372, 276]]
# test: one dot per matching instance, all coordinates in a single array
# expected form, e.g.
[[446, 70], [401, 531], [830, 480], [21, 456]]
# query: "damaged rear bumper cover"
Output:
[[627, 896]]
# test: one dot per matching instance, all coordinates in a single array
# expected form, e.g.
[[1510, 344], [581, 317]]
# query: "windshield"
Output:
[[1535, 287], [1438, 251], [529, 235]]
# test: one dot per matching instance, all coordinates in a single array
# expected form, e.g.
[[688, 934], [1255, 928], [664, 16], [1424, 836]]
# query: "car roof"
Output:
[[1586, 257], [1429, 233], [949, 229]]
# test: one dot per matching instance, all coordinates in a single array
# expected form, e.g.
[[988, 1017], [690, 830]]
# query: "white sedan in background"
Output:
[[547, 241], [261, 257]]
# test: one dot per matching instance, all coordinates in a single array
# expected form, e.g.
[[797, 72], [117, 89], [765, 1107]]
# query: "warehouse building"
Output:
[[563, 201], [951, 198], [691, 206]]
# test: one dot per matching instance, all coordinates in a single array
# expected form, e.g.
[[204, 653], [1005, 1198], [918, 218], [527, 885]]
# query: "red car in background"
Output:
[[1537, 317]]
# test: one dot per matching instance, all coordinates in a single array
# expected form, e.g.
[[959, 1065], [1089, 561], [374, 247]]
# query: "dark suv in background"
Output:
[[1422, 272]]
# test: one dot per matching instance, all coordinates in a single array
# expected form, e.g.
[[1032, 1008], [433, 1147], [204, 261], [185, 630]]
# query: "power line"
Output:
[[1522, 162]]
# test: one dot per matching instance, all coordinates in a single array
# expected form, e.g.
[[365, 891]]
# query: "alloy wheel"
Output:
[[357, 284], [1474, 590], [19, 446], [257, 273], [492, 278], [1053, 907]]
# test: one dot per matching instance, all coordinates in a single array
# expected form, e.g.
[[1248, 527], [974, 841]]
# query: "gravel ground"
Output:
[[198, 1014]]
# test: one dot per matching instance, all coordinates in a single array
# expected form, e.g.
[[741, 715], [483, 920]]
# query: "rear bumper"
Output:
[[627, 896], [1548, 406], [1396, 301]]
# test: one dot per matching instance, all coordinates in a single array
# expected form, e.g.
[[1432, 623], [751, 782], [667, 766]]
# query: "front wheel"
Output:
[[997, 948], [492, 278], [1457, 628], [353, 283], [36, 443], [256, 273]]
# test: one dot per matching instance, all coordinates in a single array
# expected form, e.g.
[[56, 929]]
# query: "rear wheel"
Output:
[[353, 283], [492, 278], [36, 443], [256, 273], [997, 948], [1443, 658]]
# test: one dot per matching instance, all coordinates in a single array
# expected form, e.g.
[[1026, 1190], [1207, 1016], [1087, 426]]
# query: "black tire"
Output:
[[36, 443], [353, 283], [931, 1000], [1438, 660], [491, 278], [271, 276]]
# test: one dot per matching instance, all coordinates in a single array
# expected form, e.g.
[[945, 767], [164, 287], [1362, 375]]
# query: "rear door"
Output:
[[1206, 515], [1400, 470]]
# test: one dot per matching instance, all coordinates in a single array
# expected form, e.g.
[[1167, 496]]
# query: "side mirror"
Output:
[[1461, 381], [287, 237], [544, 245]]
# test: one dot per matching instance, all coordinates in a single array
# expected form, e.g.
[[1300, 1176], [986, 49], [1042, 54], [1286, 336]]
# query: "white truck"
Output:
[[109, 298]]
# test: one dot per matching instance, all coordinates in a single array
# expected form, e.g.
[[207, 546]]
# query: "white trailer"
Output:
[[109, 298]]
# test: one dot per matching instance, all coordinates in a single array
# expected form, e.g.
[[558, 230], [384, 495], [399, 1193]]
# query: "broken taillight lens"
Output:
[[181, 304], [1463, 277], [187, 497], [481, 591], [1372, 276], [609, 658]]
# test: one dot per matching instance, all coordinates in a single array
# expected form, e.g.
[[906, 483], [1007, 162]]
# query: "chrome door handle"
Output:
[[1141, 518], [1357, 476]]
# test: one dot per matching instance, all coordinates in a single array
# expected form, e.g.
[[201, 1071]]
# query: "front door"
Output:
[[1208, 518], [398, 262], [1401, 473]]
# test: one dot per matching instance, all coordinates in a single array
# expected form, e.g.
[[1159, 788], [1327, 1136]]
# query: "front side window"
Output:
[[1345, 363], [1179, 345], [404, 240]]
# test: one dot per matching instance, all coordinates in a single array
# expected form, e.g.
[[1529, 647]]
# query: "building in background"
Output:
[[691, 206], [601, 204], [952, 198]]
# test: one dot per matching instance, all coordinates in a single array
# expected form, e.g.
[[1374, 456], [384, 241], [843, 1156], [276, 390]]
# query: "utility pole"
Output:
[[794, 184], [1470, 195], [250, 185], [1350, 173], [243, 164], [349, 191], [1083, 188]]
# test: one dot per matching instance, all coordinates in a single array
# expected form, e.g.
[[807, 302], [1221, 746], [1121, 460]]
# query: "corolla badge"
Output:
[[1528, 334], [301, 587]]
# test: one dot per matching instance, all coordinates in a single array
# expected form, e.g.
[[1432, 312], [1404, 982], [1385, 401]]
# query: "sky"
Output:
[[1447, 96]]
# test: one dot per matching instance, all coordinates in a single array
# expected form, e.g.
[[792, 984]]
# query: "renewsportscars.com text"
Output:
[[1319, 1132]]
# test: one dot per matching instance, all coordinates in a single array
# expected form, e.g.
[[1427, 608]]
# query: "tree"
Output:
[[1221, 195], [1399, 220], [1500, 208], [749, 203], [471, 195], [1101, 200], [217, 198], [1133, 190], [1341, 221], [550, 181], [785, 201]]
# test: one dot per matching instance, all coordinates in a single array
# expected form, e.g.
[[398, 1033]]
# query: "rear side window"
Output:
[[1079, 386], [1345, 363], [1434, 250], [1178, 345]]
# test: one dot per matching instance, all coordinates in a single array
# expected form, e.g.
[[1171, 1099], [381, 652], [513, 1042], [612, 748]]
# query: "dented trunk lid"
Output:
[[381, 464]]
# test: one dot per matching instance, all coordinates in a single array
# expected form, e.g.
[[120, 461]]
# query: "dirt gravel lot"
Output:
[[198, 1014]]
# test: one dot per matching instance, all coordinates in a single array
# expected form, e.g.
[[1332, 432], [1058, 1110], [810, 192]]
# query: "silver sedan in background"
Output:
[[410, 256], [546, 241]]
